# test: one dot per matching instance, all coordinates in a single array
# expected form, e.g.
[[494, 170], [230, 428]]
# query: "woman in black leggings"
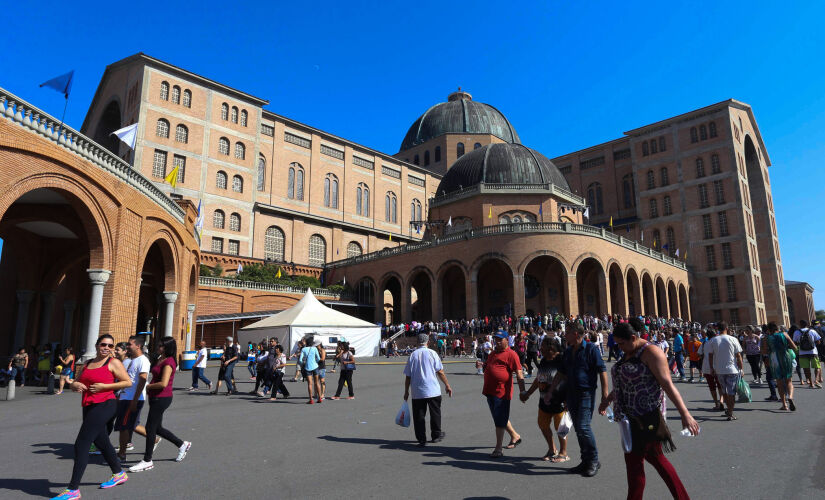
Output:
[[160, 398], [347, 361]]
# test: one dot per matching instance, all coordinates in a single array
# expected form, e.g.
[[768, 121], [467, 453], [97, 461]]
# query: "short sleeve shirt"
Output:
[[582, 367], [422, 366], [724, 349], [204, 355], [134, 368], [797, 337], [498, 373]]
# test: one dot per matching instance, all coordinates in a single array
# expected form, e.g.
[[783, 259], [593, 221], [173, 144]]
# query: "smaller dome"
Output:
[[501, 163]]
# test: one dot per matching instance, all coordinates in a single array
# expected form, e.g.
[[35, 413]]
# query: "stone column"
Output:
[[471, 298], [98, 279], [24, 300], [46, 304], [604, 295], [190, 311], [169, 298], [68, 317], [572, 295], [519, 307]]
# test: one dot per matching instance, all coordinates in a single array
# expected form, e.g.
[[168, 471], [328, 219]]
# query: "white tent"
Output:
[[309, 316]]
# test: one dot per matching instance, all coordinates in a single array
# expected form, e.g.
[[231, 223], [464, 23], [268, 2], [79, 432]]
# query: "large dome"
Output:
[[501, 163], [459, 115]]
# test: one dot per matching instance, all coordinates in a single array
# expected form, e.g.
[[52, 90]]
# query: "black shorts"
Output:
[[500, 410], [127, 420]]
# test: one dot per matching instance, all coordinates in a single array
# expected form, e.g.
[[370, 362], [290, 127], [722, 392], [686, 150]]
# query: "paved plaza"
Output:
[[244, 447]]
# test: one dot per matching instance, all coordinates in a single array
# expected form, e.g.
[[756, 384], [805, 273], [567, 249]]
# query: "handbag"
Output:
[[350, 367], [649, 428]]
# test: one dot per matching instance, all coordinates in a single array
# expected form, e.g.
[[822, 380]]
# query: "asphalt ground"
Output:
[[244, 447]]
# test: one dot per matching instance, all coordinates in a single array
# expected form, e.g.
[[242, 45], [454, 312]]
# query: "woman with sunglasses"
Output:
[[97, 382]]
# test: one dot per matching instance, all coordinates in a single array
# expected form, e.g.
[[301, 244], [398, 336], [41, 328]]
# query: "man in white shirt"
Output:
[[199, 367], [131, 399], [807, 339], [725, 358], [423, 370]]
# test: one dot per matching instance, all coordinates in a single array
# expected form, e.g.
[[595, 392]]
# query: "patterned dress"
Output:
[[636, 389], [781, 356]]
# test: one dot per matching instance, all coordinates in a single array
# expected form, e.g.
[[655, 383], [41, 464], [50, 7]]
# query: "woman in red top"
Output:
[[98, 381], [159, 393]]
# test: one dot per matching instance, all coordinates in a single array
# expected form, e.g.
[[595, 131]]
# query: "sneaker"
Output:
[[192, 389], [130, 446], [93, 450], [260, 394], [351, 397], [156, 445], [182, 450], [334, 398], [209, 388], [68, 494], [142, 466], [115, 480], [311, 402]]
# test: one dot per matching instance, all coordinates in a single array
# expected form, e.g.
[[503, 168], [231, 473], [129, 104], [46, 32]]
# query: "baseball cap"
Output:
[[423, 338], [229, 338], [501, 334]]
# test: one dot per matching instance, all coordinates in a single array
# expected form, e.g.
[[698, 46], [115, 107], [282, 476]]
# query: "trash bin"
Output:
[[188, 360]]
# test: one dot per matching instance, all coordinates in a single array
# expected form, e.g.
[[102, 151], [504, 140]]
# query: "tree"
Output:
[[820, 314]]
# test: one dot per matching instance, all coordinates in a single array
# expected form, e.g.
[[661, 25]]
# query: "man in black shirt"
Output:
[[532, 351], [228, 360]]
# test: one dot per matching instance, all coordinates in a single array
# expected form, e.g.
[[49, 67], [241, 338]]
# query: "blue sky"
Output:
[[567, 74]]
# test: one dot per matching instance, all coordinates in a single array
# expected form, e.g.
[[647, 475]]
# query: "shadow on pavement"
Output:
[[35, 487], [62, 450], [462, 458]]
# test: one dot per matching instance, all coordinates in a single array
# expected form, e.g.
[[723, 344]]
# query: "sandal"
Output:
[[496, 454], [790, 403], [560, 459], [513, 444], [731, 417], [550, 455]]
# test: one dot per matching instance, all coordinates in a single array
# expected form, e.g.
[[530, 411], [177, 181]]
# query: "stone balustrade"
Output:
[[267, 287], [483, 188]]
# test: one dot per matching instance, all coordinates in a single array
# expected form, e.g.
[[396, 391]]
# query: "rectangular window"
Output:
[[566, 169], [416, 181], [714, 290], [703, 196], [297, 140], [623, 154], [363, 163], [717, 315], [592, 162], [727, 258], [234, 247], [708, 228], [730, 281], [719, 189], [654, 209], [179, 162], [668, 209], [159, 164], [710, 254], [390, 172], [217, 245], [723, 224], [329, 151], [268, 130], [734, 317]]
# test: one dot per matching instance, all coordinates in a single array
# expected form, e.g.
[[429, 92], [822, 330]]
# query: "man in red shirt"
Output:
[[498, 387]]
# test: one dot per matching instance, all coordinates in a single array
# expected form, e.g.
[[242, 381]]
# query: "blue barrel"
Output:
[[188, 360]]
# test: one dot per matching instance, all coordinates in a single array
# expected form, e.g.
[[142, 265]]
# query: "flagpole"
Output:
[[60, 127]]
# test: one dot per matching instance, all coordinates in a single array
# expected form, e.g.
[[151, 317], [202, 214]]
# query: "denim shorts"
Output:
[[126, 420], [66, 373], [500, 410], [322, 372], [727, 383], [308, 373]]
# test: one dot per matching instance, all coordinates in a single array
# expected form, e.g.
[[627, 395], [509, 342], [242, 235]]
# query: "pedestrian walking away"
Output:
[[422, 373], [97, 382]]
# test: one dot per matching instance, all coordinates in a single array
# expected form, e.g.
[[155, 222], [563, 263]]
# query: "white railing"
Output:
[[266, 287], [19, 111], [522, 228]]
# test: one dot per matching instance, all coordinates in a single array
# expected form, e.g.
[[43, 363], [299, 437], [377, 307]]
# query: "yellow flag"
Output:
[[490, 215], [279, 273], [390, 236], [611, 221], [685, 255], [172, 177]]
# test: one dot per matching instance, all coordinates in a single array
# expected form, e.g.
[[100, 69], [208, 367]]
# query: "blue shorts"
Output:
[[127, 420], [322, 372], [728, 383], [66, 373], [500, 410], [308, 373]]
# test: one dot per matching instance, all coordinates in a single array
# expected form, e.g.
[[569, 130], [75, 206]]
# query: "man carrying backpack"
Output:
[[807, 339]]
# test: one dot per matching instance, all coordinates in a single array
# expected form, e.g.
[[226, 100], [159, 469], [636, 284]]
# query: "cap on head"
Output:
[[230, 339], [501, 334]]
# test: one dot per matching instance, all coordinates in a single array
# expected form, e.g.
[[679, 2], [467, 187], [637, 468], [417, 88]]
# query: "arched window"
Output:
[[353, 249], [654, 208], [664, 176], [715, 168], [516, 219], [391, 207], [694, 136], [175, 95], [164, 91], [220, 180], [234, 114], [415, 210], [703, 132], [224, 111], [426, 157], [594, 198], [317, 250], [503, 219], [712, 129], [662, 144], [261, 178], [274, 244], [476, 145], [162, 129], [645, 149], [671, 241], [651, 179], [653, 147], [416, 160], [218, 219], [362, 200], [628, 191], [295, 182], [182, 133], [657, 239], [529, 218], [700, 168], [331, 191], [437, 154], [244, 118], [187, 98], [240, 151], [235, 222], [237, 184], [459, 150], [223, 146], [666, 206]]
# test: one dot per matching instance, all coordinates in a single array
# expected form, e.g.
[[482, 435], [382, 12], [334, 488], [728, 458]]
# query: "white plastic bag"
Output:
[[565, 425], [403, 416], [624, 431]]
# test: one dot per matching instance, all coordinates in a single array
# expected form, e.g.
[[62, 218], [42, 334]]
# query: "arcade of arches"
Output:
[[84, 252], [584, 275]]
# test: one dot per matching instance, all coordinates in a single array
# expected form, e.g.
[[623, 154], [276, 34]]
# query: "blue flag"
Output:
[[62, 83]]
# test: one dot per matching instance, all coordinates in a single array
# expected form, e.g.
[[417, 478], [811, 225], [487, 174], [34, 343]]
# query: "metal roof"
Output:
[[212, 318]]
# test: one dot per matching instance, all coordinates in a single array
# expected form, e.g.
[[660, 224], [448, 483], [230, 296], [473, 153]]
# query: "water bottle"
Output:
[[609, 413], [686, 432]]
